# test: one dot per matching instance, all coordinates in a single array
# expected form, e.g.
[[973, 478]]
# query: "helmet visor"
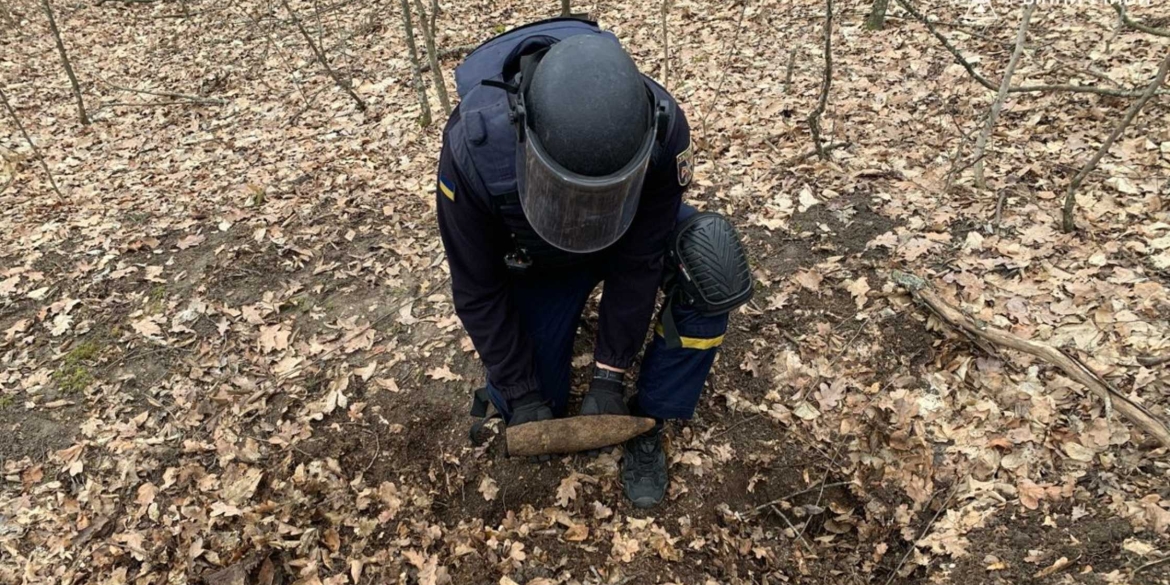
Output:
[[574, 212]]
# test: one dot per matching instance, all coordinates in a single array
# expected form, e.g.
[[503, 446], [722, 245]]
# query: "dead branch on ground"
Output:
[[31, 144], [342, 83], [65, 61], [814, 118], [1004, 86], [420, 87], [1069, 363], [428, 26], [179, 97], [1070, 202]]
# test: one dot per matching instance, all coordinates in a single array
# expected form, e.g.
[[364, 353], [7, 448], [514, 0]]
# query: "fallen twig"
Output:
[[1150, 361], [803, 157], [169, 94], [922, 535], [1070, 364], [800, 534], [820, 485], [1153, 563]]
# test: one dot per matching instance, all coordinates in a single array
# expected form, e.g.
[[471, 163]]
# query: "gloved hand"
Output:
[[606, 394], [530, 407]]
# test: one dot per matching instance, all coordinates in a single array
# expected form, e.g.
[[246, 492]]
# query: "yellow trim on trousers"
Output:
[[694, 342]]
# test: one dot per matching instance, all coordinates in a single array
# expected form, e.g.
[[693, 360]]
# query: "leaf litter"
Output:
[[230, 354]]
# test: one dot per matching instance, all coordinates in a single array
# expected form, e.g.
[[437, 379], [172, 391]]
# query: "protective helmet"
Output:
[[587, 124]]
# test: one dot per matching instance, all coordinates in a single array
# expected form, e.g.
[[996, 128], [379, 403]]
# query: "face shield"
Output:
[[574, 212]]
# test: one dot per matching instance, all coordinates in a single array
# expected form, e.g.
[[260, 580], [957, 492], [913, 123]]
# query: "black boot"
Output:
[[644, 476], [606, 394]]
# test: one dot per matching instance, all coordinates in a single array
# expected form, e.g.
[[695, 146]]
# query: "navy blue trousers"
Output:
[[670, 379]]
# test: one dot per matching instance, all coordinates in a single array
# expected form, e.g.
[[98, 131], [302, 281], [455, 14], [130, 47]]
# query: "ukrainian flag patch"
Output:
[[447, 187]]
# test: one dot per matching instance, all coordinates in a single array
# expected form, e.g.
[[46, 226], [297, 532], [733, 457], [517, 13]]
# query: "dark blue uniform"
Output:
[[523, 322]]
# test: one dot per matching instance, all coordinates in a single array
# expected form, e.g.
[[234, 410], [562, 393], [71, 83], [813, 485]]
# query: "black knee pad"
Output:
[[708, 270]]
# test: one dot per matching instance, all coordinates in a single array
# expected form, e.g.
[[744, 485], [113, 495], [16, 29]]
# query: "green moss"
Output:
[[73, 376], [6, 401], [82, 352], [500, 28], [155, 299]]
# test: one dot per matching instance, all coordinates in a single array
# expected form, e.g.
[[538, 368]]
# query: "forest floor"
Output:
[[228, 352]]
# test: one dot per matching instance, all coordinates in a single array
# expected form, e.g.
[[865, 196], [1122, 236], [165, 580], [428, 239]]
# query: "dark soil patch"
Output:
[[1087, 542], [36, 434], [905, 342], [844, 225]]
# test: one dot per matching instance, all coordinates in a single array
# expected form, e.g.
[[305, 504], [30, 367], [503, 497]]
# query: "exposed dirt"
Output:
[[36, 434]]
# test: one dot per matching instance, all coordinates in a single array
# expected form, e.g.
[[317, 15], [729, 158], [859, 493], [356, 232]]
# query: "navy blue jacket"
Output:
[[476, 240]]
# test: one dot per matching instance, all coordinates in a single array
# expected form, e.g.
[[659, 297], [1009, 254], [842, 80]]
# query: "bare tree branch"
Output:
[[961, 60], [1120, 8], [177, 96], [788, 70], [31, 144], [665, 43], [997, 105], [723, 76], [342, 83], [1070, 202], [65, 60], [428, 26], [419, 86], [814, 118]]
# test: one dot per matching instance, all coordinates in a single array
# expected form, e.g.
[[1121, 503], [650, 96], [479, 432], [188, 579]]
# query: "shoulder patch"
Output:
[[686, 165], [447, 187]]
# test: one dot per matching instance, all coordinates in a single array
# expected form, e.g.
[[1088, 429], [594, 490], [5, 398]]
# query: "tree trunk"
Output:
[[428, 26], [566, 8], [65, 60], [877, 15], [814, 118], [981, 143], [420, 87]]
